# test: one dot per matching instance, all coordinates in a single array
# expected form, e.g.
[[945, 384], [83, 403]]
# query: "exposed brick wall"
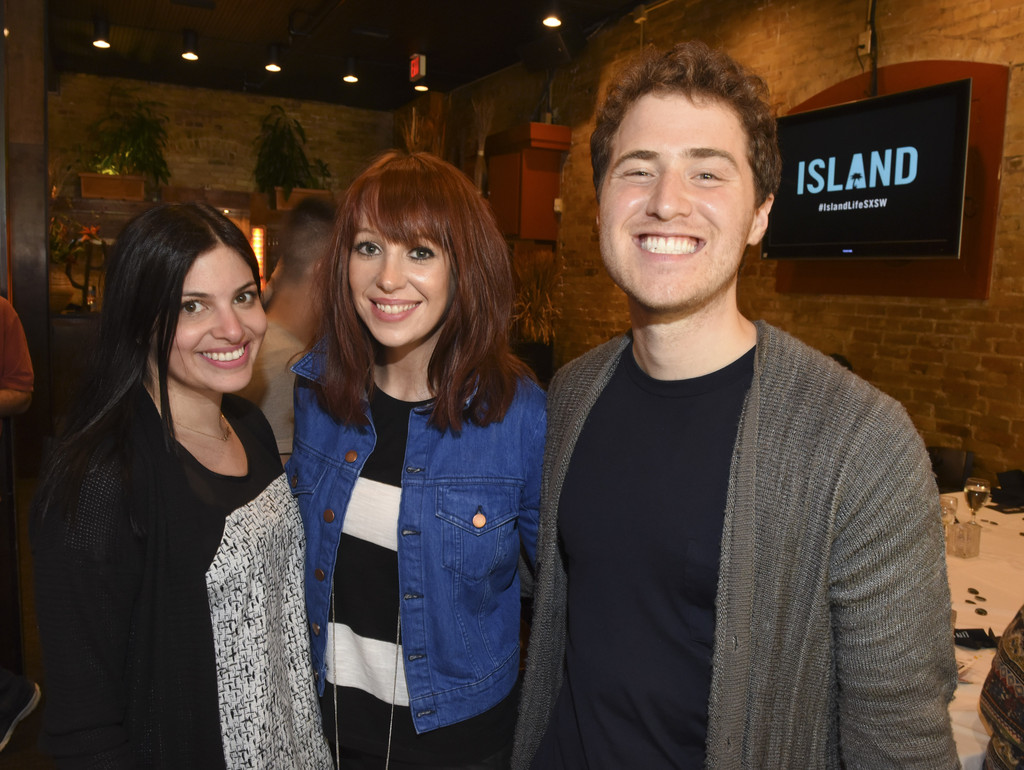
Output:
[[957, 365], [211, 133]]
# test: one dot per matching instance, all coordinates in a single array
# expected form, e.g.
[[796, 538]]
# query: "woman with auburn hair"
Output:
[[417, 457]]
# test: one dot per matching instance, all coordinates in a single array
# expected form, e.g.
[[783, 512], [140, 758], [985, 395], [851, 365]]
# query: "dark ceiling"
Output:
[[463, 40]]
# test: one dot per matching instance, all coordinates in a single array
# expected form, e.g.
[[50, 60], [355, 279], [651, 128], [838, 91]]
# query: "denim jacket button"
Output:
[[328, 515], [294, 480], [319, 574], [479, 520], [316, 629], [351, 455]]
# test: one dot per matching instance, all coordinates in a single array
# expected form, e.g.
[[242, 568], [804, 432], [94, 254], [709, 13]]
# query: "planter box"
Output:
[[298, 194], [112, 187]]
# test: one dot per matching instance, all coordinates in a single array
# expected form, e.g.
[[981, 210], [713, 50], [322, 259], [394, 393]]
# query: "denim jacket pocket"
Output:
[[304, 471], [479, 523]]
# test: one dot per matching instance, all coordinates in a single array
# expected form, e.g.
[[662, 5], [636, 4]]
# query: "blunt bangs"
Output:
[[406, 201]]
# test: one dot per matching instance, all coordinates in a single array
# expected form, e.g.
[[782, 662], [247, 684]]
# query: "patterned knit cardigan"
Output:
[[833, 645], [1002, 700]]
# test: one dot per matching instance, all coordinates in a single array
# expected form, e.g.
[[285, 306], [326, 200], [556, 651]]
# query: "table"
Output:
[[998, 576]]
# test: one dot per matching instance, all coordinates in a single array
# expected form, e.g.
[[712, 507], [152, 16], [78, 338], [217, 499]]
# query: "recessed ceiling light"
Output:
[[350, 75], [190, 45], [101, 33], [273, 58]]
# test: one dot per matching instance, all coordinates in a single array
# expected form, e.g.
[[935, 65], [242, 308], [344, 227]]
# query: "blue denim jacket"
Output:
[[457, 570]]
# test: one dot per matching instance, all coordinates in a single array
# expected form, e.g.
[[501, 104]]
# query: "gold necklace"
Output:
[[224, 423]]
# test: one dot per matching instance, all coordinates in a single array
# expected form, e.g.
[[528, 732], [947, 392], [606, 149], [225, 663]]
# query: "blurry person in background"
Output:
[[291, 315], [16, 377], [18, 695]]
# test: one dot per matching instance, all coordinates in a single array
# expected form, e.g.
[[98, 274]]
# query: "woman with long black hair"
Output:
[[168, 551]]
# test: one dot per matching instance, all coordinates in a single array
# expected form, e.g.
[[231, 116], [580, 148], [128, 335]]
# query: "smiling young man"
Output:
[[740, 558]]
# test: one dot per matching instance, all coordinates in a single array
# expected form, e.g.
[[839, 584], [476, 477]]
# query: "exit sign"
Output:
[[417, 67]]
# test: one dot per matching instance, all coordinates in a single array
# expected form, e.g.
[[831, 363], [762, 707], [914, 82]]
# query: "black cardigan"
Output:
[[124, 620]]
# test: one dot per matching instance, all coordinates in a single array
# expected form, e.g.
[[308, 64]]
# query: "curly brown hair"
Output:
[[702, 74]]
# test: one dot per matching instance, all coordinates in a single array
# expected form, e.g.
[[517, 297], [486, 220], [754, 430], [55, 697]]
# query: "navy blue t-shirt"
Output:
[[640, 520]]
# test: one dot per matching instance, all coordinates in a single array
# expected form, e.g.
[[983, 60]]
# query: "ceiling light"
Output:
[[273, 58], [101, 33], [420, 87], [552, 18], [350, 71], [190, 45]]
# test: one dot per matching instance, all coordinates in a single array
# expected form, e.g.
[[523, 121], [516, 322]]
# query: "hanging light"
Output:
[[100, 33], [273, 58], [421, 87], [552, 19], [350, 75], [189, 45]]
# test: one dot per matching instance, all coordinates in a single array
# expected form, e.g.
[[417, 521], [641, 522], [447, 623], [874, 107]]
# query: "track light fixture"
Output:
[[189, 45], [273, 58], [100, 33]]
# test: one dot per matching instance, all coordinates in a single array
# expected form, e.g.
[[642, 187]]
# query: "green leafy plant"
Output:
[[321, 175], [281, 159], [130, 138]]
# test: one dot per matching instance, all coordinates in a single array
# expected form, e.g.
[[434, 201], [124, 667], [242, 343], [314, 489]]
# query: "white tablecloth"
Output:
[[998, 576]]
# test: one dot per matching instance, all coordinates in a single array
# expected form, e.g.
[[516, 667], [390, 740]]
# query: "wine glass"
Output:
[[977, 492]]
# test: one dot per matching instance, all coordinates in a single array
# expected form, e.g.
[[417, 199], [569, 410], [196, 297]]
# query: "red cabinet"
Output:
[[524, 166]]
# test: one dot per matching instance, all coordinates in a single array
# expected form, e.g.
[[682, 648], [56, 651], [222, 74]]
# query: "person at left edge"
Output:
[[416, 461], [167, 549], [18, 695]]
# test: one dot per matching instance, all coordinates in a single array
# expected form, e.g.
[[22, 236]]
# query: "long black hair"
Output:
[[142, 300]]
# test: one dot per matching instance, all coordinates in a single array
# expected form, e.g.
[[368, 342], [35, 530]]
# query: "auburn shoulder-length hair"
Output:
[[472, 373]]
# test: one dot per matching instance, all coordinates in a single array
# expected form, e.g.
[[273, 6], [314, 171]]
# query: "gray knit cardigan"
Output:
[[833, 646]]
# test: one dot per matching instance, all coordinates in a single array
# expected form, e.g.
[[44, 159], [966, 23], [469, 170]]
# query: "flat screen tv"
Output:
[[879, 178]]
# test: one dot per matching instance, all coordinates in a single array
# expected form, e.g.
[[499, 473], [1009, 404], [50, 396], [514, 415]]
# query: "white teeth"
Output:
[[234, 355], [394, 309], [657, 244]]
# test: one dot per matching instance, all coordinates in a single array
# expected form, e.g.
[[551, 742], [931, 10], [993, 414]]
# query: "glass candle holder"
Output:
[[964, 540]]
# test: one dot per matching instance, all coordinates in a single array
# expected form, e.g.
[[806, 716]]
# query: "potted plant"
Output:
[[537, 276], [281, 162], [129, 140]]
